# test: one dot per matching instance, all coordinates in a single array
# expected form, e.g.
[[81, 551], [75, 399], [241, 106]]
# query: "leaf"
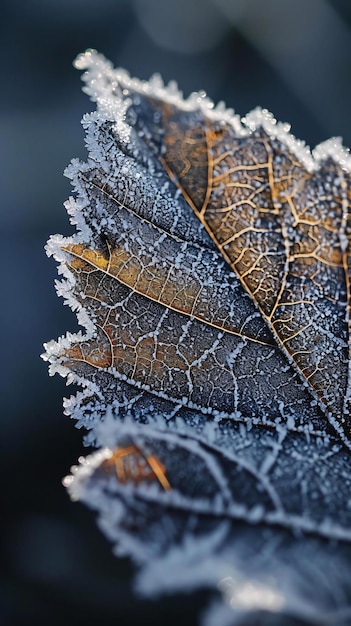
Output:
[[280, 227], [219, 526], [210, 270]]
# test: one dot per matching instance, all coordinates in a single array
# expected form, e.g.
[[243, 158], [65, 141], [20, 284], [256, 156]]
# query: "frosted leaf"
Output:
[[180, 509], [210, 272]]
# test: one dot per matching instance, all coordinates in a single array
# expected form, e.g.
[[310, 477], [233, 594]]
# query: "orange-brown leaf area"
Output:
[[130, 464], [211, 273]]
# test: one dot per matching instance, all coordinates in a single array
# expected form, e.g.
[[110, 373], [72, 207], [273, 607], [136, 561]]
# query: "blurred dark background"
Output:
[[290, 57]]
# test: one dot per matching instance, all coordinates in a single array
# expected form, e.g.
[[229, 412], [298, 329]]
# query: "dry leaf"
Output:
[[210, 270]]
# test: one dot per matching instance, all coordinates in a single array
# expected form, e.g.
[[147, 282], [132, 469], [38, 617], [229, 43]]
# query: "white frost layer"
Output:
[[87, 466], [102, 83], [162, 575], [102, 79]]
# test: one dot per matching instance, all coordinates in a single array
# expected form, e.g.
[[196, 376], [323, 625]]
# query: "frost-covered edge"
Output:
[[101, 80]]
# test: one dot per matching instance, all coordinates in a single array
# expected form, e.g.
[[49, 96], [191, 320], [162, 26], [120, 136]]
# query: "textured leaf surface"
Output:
[[282, 230], [210, 270]]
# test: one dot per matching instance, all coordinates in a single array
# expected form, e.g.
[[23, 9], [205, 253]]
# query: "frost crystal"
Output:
[[210, 272]]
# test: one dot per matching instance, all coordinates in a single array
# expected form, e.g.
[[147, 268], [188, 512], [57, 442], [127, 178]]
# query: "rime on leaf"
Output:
[[282, 230], [210, 269]]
